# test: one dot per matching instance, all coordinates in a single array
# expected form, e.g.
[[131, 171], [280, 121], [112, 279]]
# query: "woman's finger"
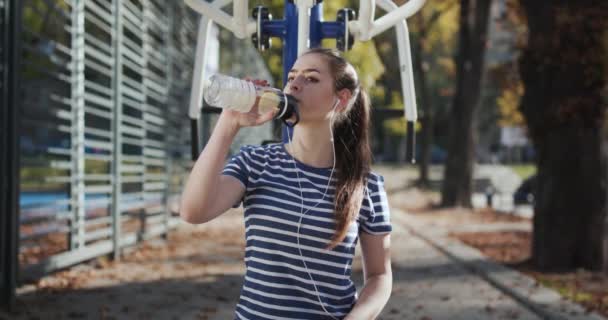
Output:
[[265, 117], [260, 82]]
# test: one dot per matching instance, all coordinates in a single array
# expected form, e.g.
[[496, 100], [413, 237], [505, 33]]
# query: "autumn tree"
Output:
[[564, 70], [433, 33], [457, 182]]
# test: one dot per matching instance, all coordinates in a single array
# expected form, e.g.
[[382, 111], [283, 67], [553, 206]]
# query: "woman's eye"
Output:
[[311, 79], [289, 79]]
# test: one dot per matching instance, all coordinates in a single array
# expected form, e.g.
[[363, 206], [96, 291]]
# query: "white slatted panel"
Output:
[[106, 88]]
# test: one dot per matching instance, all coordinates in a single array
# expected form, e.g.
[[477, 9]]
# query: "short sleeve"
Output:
[[238, 166], [375, 216]]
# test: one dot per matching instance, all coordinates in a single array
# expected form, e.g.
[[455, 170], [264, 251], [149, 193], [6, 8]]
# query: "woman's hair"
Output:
[[352, 150]]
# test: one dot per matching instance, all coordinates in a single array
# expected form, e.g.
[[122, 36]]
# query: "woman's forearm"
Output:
[[373, 298], [200, 189]]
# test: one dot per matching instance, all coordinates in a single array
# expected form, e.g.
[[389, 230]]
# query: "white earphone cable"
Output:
[[302, 212]]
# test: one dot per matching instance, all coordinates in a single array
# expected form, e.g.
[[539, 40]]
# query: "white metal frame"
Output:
[[364, 28]]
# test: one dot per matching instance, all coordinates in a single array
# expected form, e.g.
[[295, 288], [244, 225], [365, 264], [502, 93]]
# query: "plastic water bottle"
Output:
[[232, 93]]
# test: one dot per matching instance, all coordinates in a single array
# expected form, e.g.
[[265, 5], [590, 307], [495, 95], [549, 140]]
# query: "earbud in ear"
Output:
[[336, 103]]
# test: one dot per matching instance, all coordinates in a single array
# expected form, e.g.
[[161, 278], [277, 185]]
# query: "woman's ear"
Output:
[[344, 97]]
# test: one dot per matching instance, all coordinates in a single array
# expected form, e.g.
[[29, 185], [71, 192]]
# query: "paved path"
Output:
[[430, 285]]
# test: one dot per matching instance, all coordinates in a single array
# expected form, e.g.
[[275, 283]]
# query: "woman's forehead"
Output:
[[311, 62]]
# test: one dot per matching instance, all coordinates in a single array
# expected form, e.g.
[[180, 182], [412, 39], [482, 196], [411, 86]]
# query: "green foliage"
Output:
[[41, 18], [397, 126], [365, 59], [508, 106], [524, 170]]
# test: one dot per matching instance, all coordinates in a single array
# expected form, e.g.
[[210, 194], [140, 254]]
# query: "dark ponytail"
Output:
[[351, 142]]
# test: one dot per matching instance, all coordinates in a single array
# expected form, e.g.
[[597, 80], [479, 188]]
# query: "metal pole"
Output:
[[167, 143], [9, 153], [316, 21], [77, 139], [117, 31], [290, 47], [290, 39]]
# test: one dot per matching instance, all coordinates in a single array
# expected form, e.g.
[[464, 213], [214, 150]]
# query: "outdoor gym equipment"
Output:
[[302, 27]]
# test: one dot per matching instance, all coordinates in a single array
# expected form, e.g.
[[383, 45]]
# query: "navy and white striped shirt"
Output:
[[277, 284]]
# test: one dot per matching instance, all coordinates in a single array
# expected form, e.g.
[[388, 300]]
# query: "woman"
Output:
[[306, 202]]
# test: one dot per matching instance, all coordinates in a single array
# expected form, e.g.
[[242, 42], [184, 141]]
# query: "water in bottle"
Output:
[[240, 95]]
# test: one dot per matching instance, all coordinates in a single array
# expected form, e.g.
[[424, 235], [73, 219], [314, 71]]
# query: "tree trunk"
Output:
[[563, 72], [426, 120], [426, 142], [458, 176]]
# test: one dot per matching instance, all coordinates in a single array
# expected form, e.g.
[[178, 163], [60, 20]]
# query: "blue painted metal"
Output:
[[287, 30], [290, 48], [316, 20], [333, 29], [290, 38], [274, 28]]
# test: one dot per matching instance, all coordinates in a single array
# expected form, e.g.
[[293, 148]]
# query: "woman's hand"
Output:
[[249, 119]]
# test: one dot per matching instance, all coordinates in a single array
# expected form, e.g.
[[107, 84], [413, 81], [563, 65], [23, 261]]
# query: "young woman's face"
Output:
[[311, 82]]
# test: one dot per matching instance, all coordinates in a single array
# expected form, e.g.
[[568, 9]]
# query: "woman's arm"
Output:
[[376, 252], [208, 193], [200, 202]]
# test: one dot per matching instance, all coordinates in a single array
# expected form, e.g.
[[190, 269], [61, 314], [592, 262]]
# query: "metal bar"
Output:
[[98, 55], [159, 162], [99, 221], [132, 103], [99, 88], [101, 24], [106, 71], [46, 217], [95, 111], [117, 36], [98, 100], [98, 234], [145, 53], [9, 146], [135, 159], [290, 47], [132, 83], [316, 21], [168, 75], [77, 117], [90, 39], [150, 118], [66, 259], [98, 11]]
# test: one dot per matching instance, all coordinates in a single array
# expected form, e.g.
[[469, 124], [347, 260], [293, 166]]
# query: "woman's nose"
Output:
[[294, 86]]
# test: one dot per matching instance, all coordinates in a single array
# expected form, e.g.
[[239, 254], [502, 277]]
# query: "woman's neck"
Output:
[[311, 145]]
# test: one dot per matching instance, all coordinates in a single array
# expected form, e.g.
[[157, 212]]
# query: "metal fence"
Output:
[[104, 139], [95, 141]]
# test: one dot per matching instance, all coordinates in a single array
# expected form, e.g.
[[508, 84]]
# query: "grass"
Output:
[[523, 170]]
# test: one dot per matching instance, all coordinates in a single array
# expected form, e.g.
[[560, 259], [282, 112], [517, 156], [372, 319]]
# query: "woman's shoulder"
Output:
[[375, 177], [375, 180]]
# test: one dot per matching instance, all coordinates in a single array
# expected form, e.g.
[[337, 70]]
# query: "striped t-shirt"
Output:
[[277, 284]]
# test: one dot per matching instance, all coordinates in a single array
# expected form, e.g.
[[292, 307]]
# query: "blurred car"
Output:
[[524, 194]]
